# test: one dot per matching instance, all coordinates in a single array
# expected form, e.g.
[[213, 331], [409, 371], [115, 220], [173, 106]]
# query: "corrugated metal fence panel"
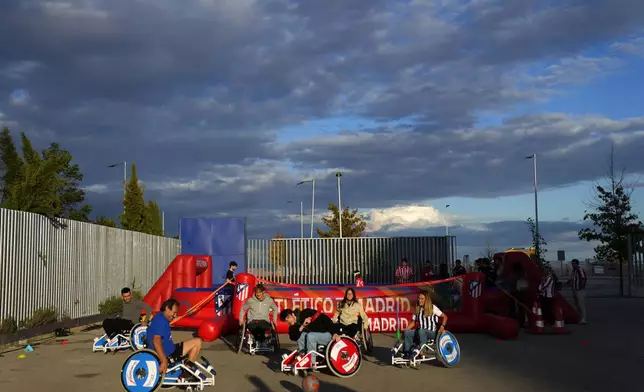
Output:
[[332, 261], [73, 269]]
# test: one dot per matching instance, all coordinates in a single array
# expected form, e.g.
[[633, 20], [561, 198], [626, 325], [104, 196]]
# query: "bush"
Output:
[[8, 326], [40, 317], [114, 304]]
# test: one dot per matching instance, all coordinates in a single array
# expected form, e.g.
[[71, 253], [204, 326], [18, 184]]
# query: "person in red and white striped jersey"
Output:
[[546, 293], [578, 282], [404, 273]]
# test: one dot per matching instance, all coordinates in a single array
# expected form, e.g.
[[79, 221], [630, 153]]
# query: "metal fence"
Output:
[[75, 268], [332, 261], [635, 266]]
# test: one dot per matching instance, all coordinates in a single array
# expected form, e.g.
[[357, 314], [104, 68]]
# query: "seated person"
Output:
[[259, 307], [159, 336], [129, 316], [309, 328], [349, 309], [425, 322]]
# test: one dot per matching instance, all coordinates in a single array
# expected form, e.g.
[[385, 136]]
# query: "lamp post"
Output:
[[536, 202], [301, 217], [445, 221], [339, 176], [312, 201], [124, 163]]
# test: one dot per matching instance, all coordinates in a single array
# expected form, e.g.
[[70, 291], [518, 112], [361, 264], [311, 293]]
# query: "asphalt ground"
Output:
[[606, 354]]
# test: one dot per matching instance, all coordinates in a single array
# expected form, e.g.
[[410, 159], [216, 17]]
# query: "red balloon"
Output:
[[209, 331]]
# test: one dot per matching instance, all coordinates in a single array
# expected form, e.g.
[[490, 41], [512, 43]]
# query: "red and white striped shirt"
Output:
[[547, 287], [404, 274], [578, 279]]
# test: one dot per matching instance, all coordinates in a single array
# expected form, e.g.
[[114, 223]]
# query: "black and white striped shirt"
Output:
[[547, 287], [429, 322]]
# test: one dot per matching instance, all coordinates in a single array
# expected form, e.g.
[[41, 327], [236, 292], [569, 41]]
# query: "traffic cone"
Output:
[[560, 328], [537, 325]]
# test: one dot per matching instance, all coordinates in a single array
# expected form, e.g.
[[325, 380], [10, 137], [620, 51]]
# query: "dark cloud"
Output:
[[196, 94]]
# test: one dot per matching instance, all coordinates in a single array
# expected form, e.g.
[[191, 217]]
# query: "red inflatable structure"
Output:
[[498, 302], [188, 279]]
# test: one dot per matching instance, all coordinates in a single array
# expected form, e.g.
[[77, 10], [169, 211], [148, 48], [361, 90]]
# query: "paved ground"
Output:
[[606, 354]]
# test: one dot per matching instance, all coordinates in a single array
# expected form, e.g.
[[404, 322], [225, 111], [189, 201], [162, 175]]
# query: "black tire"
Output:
[[276, 338]]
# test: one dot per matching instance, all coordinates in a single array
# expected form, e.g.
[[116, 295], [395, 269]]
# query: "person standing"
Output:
[[230, 274], [546, 293], [458, 269], [404, 273], [427, 274], [578, 282]]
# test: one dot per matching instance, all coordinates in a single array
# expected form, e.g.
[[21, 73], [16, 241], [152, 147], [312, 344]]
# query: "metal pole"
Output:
[[339, 175], [124, 178], [312, 208], [163, 221], [536, 200], [445, 221], [301, 219]]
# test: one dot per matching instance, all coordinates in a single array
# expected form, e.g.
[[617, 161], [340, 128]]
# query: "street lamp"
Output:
[[301, 217], [536, 200], [339, 175], [124, 178], [445, 221], [312, 201]]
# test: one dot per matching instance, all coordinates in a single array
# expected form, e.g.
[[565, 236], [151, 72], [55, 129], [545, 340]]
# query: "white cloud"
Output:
[[400, 218]]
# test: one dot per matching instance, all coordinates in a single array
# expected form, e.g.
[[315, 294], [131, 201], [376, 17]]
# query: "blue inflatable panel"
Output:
[[222, 238]]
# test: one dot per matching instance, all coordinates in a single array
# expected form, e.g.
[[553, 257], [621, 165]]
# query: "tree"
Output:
[[353, 225], [47, 184], [538, 243], [105, 221], [11, 164], [489, 251], [136, 212], [34, 188], [69, 189], [611, 216], [154, 220], [277, 251]]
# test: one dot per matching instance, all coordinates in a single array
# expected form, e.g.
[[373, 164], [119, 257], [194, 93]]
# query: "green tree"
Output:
[[34, 190], [11, 164], [48, 184], [353, 225], [135, 215], [69, 189], [105, 221], [611, 217], [154, 220], [538, 243]]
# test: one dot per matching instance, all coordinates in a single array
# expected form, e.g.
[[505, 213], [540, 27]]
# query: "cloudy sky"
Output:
[[224, 105]]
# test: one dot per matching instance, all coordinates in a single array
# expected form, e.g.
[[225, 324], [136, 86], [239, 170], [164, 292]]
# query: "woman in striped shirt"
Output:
[[546, 293], [425, 321]]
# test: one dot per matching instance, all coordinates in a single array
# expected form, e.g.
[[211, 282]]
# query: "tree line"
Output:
[[49, 183]]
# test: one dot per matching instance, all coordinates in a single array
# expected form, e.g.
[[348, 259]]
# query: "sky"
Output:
[[225, 105]]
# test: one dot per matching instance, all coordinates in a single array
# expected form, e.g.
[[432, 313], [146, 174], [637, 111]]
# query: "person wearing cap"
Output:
[[404, 273], [358, 278]]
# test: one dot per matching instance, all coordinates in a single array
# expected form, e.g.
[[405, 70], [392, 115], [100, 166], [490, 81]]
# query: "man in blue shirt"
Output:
[[159, 336]]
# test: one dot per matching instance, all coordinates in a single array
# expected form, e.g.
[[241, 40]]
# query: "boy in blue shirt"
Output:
[[159, 338]]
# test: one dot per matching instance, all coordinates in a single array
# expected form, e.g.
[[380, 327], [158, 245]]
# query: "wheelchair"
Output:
[[246, 341], [444, 349], [342, 358], [140, 373], [363, 338], [134, 339]]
